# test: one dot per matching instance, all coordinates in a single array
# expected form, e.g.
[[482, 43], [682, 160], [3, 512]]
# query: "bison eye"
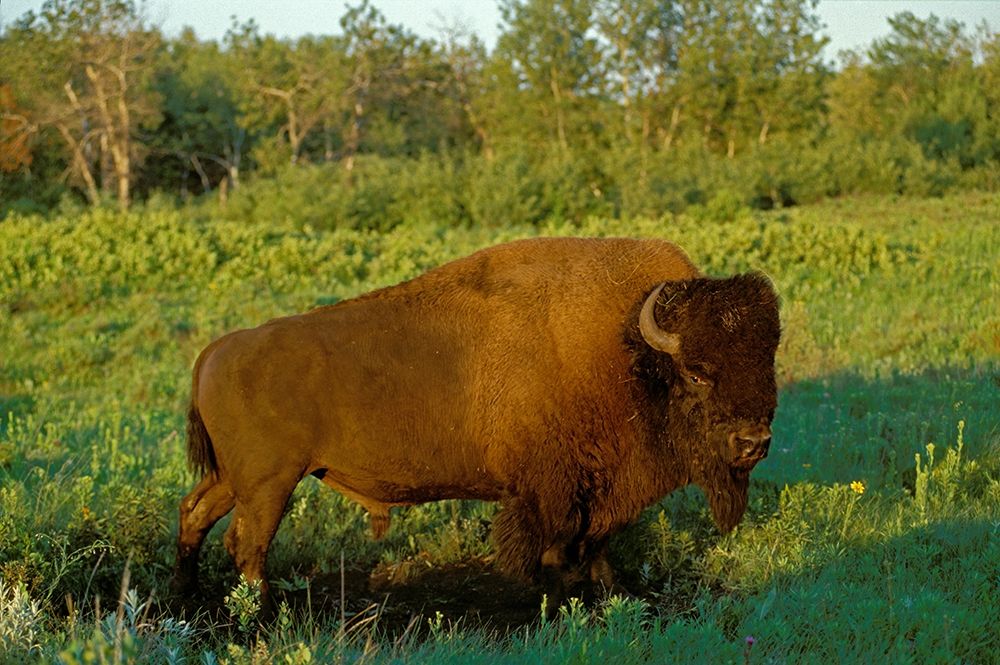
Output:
[[697, 380]]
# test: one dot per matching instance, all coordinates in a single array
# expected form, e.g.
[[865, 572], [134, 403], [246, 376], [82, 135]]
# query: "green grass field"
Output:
[[889, 377]]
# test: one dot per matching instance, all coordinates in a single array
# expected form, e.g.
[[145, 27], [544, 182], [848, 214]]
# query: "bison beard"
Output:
[[577, 381], [727, 497]]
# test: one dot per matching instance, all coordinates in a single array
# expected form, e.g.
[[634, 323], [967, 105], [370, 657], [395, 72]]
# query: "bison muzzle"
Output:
[[576, 381]]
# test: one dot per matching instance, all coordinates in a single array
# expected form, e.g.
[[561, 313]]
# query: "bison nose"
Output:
[[750, 444]]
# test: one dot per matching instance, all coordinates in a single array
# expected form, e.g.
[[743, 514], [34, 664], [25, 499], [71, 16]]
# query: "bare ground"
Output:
[[404, 596]]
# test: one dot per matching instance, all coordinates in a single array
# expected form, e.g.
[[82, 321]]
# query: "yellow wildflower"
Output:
[[858, 487]]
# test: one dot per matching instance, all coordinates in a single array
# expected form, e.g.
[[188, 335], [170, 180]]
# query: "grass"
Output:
[[891, 314]]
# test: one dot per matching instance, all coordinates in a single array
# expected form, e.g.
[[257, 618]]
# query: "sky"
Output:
[[850, 23]]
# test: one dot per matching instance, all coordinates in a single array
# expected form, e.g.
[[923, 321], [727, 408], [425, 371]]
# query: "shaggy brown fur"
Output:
[[516, 374]]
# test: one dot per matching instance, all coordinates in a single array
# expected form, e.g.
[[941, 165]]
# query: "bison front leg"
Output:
[[536, 543], [601, 573], [581, 569], [561, 575], [519, 540], [207, 503], [255, 521]]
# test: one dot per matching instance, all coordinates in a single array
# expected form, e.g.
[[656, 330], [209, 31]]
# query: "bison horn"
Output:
[[654, 335]]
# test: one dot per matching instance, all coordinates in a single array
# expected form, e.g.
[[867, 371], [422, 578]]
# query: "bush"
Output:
[[519, 188]]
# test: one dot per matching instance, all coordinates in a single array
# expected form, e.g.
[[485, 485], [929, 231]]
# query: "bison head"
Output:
[[719, 337]]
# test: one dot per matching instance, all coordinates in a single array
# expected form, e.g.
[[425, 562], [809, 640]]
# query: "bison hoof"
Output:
[[183, 584]]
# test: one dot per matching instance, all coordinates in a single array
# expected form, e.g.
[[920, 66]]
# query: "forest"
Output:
[[583, 107]]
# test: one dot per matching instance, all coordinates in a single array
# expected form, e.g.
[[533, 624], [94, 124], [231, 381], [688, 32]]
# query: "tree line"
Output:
[[583, 107]]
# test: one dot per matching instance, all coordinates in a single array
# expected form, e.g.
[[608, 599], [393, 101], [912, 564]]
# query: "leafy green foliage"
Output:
[[243, 603], [20, 620]]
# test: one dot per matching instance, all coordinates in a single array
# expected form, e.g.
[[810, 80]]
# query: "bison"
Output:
[[576, 381]]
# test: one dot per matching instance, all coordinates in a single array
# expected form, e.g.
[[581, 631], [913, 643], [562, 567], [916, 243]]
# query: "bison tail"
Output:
[[201, 454]]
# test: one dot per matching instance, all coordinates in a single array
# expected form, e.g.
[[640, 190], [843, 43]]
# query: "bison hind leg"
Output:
[[207, 503], [259, 509]]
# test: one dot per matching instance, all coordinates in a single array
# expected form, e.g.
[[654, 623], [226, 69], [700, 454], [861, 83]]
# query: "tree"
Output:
[[201, 125], [297, 86], [916, 54], [388, 65], [747, 69], [641, 39], [919, 85], [466, 59], [988, 133], [340, 88], [925, 69], [551, 49], [84, 68], [856, 104], [788, 90], [14, 131]]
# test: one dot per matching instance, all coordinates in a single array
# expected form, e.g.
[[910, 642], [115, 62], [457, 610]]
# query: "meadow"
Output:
[[872, 535]]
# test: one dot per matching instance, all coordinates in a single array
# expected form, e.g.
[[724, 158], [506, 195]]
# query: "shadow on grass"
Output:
[[847, 427], [927, 594]]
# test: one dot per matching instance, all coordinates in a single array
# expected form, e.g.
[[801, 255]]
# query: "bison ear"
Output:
[[655, 336]]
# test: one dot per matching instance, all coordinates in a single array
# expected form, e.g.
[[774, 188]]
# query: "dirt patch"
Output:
[[403, 596]]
